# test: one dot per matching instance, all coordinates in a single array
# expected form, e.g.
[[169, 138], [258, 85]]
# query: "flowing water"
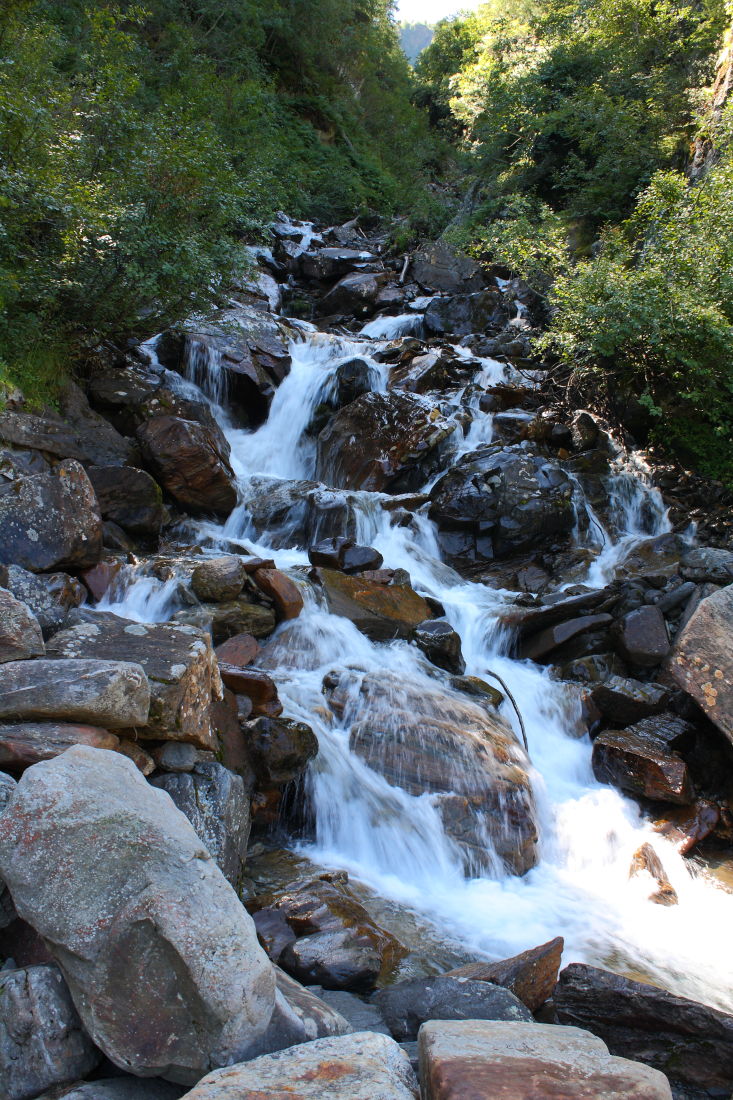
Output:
[[395, 841]]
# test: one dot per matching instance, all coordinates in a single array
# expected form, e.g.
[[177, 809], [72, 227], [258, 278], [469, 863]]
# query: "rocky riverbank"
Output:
[[334, 568]]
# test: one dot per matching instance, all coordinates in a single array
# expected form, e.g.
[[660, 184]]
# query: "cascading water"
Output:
[[396, 841]]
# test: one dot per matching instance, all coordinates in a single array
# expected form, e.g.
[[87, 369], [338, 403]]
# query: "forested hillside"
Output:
[[142, 143], [414, 38]]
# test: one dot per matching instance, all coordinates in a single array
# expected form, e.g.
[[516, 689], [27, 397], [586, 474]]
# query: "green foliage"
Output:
[[142, 144], [652, 314]]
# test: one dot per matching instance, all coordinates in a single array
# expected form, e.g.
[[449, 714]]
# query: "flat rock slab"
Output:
[[42, 1042], [25, 744], [381, 611], [478, 1060], [112, 694], [179, 663], [20, 631], [407, 1005], [362, 1066], [121, 1088], [702, 658]]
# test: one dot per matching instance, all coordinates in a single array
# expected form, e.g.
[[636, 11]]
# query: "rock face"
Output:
[[129, 497], [463, 314], [179, 663], [216, 803], [519, 1061], [42, 1042], [383, 443], [191, 462], [499, 500], [380, 611], [408, 1005], [353, 1067], [530, 976], [50, 521], [20, 631], [423, 738], [690, 1042], [115, 694], [440, 267], [702, 659], [161, 958]]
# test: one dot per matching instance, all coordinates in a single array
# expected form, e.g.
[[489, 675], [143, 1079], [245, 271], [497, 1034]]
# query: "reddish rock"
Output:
[[99, 579], [240, 651], [702, 660], [531, 976], [251, 565], [641, 766], [646, 861], [688, 825], [24, 744], [381, 611], [191, 462], [256, 685], [282, 590], [625, 701], [142, 760]]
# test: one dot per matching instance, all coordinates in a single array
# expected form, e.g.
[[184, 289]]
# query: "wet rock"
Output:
[[360, 559], [240, 650], [383, 443], [348, 1068], [353, 378], [190, 462], [341, 553], [441, 644], [625, 701], [115, 694], [121, 1088], [440, 267], [279, 749], [690, 1042], [642, 638], [50, 521], [541, 645], [22, 745], [354, 294], [331, 263], [520, 1061], [299, 512], [273, 932], [160, 957], [479, 689], [642, 766], [380, 611], [499, 500], [708, 564], [242, 616], [337, 944], [530, 976], [99, 579], [114, 538], [686, 826], [463, 314], [129, 497], [529, 617], [646, 863], [216, 803], [283, 592], [594, 669], [42, 1041], [408, 1005], [219, 579], [256, 686], [20, 631], [422, 737], [50, 596], [178, 663], [702, 658], [584, 431]]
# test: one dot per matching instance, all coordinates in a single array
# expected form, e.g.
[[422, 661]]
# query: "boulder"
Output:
[[464, 314], [175, 756], [341, 553], [129, 497], [42, 1040], [499, 500], [160, 956], [191, 462], [530, 976], [7, 789], [520, 1061], [240, 616], [541, 645], [383, 442], [283, 592], [219, 579], [101, 444], [352, 1067], [423, 737], [50, 596], [239, 651], [99, 579], [408, 1005], [623, 701], [22, 745], [256, 686], [708, 564], [48, 434], [439, 267], [279, 749], [354, 294], [50, 521], [298, 513], [7, 909], [642, 766], [441, 644], [702, 658], [380, 611], [216, 803], [121, 1088], [361, 1014], [179, 664], [330, 263], [643, 639], [115, 694], [20, 631], [690, 1042]]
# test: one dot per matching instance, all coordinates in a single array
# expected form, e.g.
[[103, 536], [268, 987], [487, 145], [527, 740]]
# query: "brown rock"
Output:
[[99, 579], [219, 579], [142, 760], [531, 976], [380, 611], [540, 645], [24, 744], [20, 631], [282, 590], [240, 617], [129, 497], [279, 749], [643, 639], [688, 825], [642, 766], [646, 861], [625, 701], [190, 462], [239, 651], [256, 685], [702, 659]]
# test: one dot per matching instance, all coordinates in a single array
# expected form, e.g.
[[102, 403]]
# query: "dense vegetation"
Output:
[[141, 144], [578, 118]]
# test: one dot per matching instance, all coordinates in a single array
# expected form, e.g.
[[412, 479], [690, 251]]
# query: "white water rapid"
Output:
[[395, 842]]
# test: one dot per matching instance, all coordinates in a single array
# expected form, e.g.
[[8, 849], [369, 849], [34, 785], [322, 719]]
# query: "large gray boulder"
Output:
[[50, 596], [20, 631], [702, 658], [50, 520], [160, 956], [112, 694], [407, 1005], [120, 1088], [216, 802], [362, 1066], [42, 1041], [179, 663], [7, 909]]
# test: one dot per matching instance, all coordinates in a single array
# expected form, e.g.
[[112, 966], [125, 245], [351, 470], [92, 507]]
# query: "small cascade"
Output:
[[390, 328], [202, 366], [141, 597]]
